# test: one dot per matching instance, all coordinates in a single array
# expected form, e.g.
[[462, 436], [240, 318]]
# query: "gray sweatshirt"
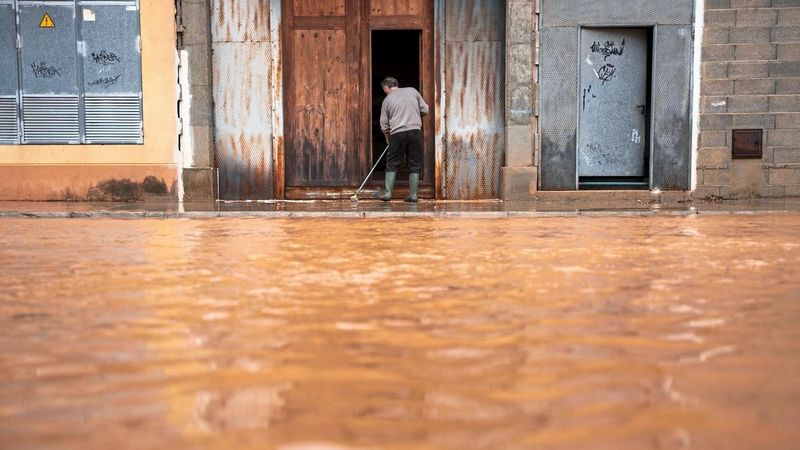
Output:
[[402, 110]]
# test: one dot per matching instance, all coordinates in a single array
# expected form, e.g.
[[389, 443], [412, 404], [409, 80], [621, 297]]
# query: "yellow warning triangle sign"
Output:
[[46, 22]]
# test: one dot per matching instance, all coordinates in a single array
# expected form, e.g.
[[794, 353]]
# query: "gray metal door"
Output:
[[8, 74], [111, 72], [612, 133], [50, 112]]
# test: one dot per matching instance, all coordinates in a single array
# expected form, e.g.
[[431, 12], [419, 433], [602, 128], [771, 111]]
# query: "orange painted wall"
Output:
[[74, 168]]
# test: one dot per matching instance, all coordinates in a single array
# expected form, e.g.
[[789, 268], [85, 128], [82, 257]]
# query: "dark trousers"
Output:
[[405, 144]]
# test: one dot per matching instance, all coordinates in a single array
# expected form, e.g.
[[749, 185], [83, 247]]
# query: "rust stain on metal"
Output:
[[242, 99], [439, 98], [475, 99], [276, 83], [240, 21]]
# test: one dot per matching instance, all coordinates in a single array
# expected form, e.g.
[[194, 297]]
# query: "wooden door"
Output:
[[326, 72], [321, 91]]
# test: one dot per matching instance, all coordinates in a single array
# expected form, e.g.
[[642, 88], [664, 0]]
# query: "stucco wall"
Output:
[[54, 172]]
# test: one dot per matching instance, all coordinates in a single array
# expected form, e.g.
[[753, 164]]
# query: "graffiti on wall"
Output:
[[105, 62]]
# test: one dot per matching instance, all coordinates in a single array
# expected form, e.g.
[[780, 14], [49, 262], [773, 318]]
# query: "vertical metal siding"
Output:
[[672, 137], [475, 102], [242, 62], [240, 21], [558, 108]]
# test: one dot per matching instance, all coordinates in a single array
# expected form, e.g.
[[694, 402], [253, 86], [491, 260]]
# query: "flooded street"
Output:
[[553, 333]]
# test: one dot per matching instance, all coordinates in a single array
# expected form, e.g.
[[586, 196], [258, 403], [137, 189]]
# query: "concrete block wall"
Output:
[[750, 78]]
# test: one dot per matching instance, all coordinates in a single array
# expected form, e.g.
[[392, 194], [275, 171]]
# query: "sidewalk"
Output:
[[377, 209]]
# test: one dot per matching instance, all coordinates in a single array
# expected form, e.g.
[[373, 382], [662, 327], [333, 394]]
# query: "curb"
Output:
[[373, 214]]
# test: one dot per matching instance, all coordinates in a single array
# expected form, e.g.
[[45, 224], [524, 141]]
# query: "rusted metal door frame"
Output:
[[276, 12], [440, 94]]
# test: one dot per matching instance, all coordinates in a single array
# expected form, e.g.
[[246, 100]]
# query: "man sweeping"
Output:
[[401, 122]]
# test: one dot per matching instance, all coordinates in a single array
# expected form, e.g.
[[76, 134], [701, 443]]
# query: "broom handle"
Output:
[[373, 169]]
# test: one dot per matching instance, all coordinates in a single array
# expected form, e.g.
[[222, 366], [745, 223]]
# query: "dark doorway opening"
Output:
[[395, 53]]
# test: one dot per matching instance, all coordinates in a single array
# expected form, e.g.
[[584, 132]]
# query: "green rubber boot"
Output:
[[413, 187], [387, 194]]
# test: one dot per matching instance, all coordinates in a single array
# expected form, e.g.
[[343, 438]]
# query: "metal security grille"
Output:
[[475, 100], [75, 66], [113, 119], [50, 119], [8, 121]]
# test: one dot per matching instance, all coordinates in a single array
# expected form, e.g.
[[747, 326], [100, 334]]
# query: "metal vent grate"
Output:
[[113, 119], [8, 121], [50, 120]]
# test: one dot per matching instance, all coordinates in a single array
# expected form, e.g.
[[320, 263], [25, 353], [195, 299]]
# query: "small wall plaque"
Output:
[[747, 144]]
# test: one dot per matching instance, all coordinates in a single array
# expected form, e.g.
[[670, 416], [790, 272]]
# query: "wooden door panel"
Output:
[[396, 7], [315, 8], [320, 133], [321, 51], [307, 113], [335, 99]]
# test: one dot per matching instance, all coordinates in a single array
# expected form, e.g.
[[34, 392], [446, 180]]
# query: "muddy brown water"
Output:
[[561, 333]]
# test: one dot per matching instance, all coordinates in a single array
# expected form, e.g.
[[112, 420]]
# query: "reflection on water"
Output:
[[563, 333]]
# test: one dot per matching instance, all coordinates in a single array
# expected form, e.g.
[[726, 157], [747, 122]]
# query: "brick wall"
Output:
[[750, 78]]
